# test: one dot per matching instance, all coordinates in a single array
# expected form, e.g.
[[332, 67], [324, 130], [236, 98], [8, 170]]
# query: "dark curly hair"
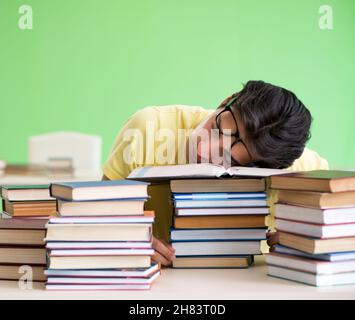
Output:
[[276, 122]]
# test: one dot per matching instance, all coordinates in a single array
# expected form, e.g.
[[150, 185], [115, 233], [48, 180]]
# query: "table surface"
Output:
[[252, 283]]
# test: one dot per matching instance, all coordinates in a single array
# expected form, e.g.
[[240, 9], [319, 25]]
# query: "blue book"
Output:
[[335, 256], [219, 195], [221, 203], [99, 190]]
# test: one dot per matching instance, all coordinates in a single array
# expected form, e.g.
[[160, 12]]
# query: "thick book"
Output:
[[99, 190], [228, 221], [217, 234], [215, 248], [98, 245], [112, 273], [22, 255], [26, 237], [103, 281], [99, 232], [319, 280], [335, 256], [315, 180], [217, 185], [316, 230], [26, 192], [99, 262], [15, 272], [229, 203], [198, 170], [317, 199], [23, 223], [148, 217], [315, 215], [309, 265], [316, 246], [211, 262], [30, 208], [103, 207], [221, 211]]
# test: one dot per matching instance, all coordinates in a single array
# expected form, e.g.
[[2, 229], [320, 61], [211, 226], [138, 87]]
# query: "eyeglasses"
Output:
[[238, 147]]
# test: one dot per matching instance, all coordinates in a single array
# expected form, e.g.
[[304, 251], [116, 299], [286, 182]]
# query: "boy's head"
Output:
[[271, 123]]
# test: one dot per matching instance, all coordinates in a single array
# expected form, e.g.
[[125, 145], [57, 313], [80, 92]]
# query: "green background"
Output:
[[88, 64]]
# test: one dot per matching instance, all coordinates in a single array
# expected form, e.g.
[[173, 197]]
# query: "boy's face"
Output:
[[226, 136]]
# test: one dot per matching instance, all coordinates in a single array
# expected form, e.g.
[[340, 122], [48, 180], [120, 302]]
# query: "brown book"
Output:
[[316, 246], [13, 272], [22, 255], [240, 221], [30, 208], [213, 262], [37, 223], [317, 199], [316, 180], [217, 185], [22, 237]]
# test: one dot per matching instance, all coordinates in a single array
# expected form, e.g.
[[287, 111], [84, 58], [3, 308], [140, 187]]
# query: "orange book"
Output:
[[30, 208], [240, 221]]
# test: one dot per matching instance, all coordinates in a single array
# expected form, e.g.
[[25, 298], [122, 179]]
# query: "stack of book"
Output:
[[315, 219], [22, 230], [102, 239], [218, 223], [219, 213]]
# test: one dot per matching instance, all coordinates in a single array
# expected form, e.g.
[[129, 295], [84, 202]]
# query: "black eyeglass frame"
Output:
[[235, 135]]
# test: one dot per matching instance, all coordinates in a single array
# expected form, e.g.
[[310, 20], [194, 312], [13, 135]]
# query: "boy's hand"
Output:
[[164, 252], [272, 239]]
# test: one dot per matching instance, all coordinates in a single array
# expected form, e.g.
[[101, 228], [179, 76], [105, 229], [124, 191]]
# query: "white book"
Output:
[[119, 273], [102, 281], [335, 256], [96, 287], [309, 265], [102, 219], [316, 230], [217, 234], [202, 248], [220, 211], [199, 170], [98, 245], [219, 203], [100, 252], [318, 280], [218, 195], [314, 215]]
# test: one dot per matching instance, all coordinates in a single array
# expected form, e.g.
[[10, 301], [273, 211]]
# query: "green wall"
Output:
[[88, 64]]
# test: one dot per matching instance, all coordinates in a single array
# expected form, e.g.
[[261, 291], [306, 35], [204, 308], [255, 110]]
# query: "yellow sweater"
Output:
[[129, 143]]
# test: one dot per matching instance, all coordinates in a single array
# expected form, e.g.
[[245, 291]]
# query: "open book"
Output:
[[199, 170]]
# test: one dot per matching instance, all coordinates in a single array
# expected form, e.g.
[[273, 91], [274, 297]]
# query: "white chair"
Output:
[[84, 150]]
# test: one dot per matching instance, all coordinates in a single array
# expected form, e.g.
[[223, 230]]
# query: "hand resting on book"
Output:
[[272, 239], [164, 252]]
